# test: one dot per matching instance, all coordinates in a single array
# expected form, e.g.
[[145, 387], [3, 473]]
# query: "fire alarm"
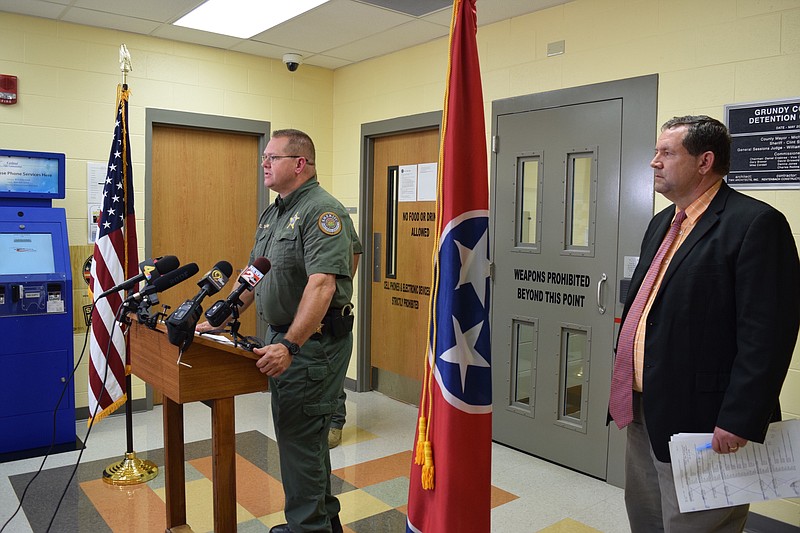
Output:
[[8, 89]]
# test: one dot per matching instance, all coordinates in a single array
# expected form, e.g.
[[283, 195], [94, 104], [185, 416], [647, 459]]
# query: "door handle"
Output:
[[601, 308]]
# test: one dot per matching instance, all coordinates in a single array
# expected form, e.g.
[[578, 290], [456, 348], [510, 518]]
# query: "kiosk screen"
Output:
[[31, 175], [26, 253]]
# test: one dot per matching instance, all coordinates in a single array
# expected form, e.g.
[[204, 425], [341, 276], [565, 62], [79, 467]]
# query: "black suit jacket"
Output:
[[722, 328]]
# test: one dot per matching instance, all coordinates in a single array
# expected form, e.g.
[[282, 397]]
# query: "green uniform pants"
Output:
[[303, 399]]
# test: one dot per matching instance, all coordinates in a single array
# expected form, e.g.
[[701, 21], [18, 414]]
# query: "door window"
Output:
[[580, 203], [392, 187], [528, 201], [574, 376], [524, 365]]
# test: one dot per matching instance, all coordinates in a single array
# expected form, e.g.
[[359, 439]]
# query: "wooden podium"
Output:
[[211, 372]]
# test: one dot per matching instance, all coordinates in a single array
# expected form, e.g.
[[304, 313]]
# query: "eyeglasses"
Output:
[[273, 158]]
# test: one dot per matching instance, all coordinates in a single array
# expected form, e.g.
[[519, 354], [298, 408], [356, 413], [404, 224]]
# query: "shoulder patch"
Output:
[[330, 223]]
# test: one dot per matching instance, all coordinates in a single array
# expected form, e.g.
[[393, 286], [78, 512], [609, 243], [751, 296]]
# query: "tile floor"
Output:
[[370, 470]]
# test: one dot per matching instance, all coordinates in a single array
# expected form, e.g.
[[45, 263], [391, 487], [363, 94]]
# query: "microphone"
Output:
[[214, 280], [155, 268], [165, 281], [248, 279], [181, 323], [151, 269]]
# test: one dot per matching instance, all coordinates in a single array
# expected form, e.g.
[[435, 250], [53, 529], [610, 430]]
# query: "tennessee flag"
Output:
[[450, 485], [115, 259]]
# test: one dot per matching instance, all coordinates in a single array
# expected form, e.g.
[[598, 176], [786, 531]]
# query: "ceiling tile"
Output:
[[266, 49], [109, 20], [325, 61], [330, 25], [159, 10], [386, 42], [34, 8], [415, 8]]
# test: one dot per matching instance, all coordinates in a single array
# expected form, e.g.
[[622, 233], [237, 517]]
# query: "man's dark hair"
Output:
[[705, 134], [299, 144]]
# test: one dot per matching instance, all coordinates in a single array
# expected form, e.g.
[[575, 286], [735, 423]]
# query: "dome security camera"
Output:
[[292, 61]]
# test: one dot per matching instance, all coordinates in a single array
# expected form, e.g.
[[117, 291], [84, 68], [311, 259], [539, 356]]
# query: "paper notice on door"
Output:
[[427, 181], [407, 184], [705, 479]]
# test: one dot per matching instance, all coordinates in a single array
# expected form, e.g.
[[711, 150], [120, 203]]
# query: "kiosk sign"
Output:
[[765, 148]]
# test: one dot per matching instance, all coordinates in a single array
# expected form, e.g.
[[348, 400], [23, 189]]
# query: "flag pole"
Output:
[[131, 470]]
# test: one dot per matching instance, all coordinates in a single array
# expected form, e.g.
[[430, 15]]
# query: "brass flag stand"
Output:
[[131, 470]]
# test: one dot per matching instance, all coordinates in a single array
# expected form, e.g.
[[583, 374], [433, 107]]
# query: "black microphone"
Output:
[[181, 323], [165, 281], [214, 280], [150, 268], [152, 272], [248, 279]]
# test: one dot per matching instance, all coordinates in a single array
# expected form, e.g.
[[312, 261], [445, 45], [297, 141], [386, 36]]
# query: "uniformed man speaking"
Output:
[[308, 237]]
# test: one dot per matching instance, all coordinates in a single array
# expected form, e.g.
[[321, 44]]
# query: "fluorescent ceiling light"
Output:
[[244, 18]]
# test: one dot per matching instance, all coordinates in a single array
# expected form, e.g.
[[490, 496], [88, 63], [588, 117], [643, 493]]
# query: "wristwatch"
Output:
[[293, 348]]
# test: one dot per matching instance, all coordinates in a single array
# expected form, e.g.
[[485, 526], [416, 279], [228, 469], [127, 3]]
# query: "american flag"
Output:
[[115, 260], [450, 484]]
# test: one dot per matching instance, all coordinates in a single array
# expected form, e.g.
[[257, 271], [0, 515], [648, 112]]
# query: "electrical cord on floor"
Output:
[[120, 311]]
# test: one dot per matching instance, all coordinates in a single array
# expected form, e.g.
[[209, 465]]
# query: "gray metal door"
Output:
[[556, 187]]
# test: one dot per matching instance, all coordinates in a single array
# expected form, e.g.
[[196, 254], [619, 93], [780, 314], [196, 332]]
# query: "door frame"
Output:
[[639, 113], [369, 132], [168, 117]]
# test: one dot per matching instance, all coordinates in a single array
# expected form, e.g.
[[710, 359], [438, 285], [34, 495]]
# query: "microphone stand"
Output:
[[248, 343], [234, 325], [151, 320]]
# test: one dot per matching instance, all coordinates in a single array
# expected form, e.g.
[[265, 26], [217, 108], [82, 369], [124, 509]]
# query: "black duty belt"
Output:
[[338, 322]]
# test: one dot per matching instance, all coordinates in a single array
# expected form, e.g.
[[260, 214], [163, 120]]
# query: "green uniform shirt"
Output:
[[310, 233]]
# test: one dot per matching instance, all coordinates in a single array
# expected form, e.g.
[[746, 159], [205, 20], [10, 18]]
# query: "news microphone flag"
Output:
[[115, 259], [450, 482]]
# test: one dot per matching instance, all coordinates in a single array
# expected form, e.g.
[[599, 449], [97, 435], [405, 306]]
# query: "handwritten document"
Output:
[[705, 479]]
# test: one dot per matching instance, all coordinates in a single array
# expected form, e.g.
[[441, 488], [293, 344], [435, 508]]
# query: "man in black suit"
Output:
[[716, 336]]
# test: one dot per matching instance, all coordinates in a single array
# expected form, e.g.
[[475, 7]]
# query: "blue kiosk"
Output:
[[36, 350]]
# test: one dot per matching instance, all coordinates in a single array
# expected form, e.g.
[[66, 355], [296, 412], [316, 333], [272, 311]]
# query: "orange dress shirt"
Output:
[[693, 214]]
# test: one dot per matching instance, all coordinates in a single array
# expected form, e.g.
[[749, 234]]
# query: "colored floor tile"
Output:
[[370, 477]]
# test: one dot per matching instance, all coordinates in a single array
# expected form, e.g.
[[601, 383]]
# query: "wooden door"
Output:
[[401, 280], [204, 209]]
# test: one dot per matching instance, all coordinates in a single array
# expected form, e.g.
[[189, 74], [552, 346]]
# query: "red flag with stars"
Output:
[[450, 485]]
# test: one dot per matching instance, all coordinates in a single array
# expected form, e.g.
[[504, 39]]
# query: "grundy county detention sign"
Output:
[[765, 148]]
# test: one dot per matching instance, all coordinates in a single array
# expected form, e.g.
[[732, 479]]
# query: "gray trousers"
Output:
[[303, 399], [650, 496]]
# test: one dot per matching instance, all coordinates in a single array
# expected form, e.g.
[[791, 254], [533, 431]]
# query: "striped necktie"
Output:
[[620, 405]]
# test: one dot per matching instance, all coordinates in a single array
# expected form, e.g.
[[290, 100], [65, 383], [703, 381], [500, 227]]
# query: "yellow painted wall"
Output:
[[707, 54]]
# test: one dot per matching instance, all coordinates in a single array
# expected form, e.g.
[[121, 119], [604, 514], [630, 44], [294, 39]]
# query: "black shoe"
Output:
[[281, 528]]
